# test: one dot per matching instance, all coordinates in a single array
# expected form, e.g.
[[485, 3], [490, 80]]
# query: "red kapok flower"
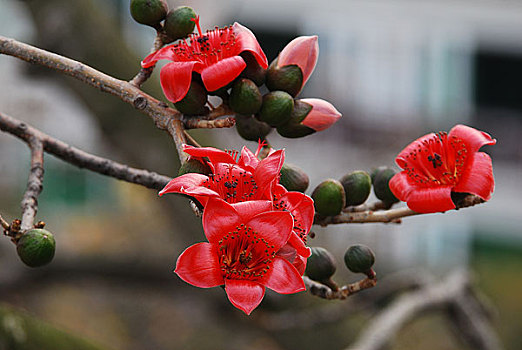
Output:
[[303, 52], [322, 115], [214, 55], [436, 165], [234, 178], [241, 253]]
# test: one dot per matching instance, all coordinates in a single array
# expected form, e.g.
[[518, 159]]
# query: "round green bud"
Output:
[[288, 78], [276, 109], [321, 265], [245, 97], [329, 198], [357, 187], [293, 127], [194, 165], [375, 171], [253, 70], [294, 178], [359, 258], [148, 12], [179, 23], [381, 186], [251, 129], [36, 247], [194, 101]]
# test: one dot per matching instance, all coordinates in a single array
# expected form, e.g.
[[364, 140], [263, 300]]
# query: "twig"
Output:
[[190, 139], [80, 158], [322, 291], [385, 216], [4, 223], [145, 73], [34, 187], [454, 290], [194, 123]]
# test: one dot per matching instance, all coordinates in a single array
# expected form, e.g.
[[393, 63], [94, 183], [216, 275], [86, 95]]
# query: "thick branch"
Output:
[[34, 187], [194, 123], [322, 291], [385, 216], [80, 158], [453, 290]]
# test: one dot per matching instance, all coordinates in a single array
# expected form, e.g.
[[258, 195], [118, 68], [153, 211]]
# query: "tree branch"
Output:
[[322, 291], [34, 187]]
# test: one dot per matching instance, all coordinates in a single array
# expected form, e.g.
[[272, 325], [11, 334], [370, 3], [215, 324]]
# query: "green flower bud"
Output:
[[276, 109], [179, 24], [245, 97], [357, 186], [321, 265], [253, 70], [288, 78], [194, 101], [294, 178], [148, 12], [194, 165], [329, 198], [381, 186], [293, 127], [36, 247], [251, 129], [359, 259]]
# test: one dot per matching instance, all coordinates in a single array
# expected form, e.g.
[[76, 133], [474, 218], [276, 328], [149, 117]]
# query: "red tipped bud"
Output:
[[322, 115], [303, 52]]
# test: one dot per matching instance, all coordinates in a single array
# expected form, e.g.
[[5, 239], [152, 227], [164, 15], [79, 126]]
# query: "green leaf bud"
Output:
[[357, 187], [359, 259], [276, 109], [245, 97], [148, 12], [294, 178], [329, 198], [321, 265], [251, 129], [36, 247], [179, 23]]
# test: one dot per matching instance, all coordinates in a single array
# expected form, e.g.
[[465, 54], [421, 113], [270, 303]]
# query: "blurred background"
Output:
[[395, 70]]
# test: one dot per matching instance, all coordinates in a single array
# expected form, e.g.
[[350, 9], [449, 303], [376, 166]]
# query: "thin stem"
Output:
[[34, 187], [323, 291], [145, 73], [4, 223]]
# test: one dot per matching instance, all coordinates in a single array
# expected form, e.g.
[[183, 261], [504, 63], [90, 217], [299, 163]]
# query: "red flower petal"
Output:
[[414, 146], [175, 78], [322, 115], [268, 170], [300, 264], [296, 242], [219, 218], [401, 186], [222, 72], [302, 51], [243, 294], [274, 226], [249, 209], [163, 53], [301, 206], [199, 266], [477, 178], [473, 138], [430, 199], [248, 42], [213, 154], [248, 159], [181, 183], [283, 278]]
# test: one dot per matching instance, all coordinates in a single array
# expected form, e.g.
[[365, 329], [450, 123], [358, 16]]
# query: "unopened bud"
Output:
[[357, 187], [148, 12], [245, 97], [294, 178], [179, 23], [320, 265], [253, 69], [251, 129], [194, 101], [194, 165], [329, 198], [293, 128], [381, 188], [359, 259], [276, 109], [36, 247], [288, 78]]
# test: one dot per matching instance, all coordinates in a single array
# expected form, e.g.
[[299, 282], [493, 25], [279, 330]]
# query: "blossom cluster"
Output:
[[256, 229]]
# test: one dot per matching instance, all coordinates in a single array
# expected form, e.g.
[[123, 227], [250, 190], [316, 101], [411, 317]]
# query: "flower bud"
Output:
[[320, 265], [322, 115], [381, 187], [329, 198], [194, 165], [357, 187], [148, 12], [253, 69], [194, 101], [245, 97], [251, 129], [36, 247], [293, 127], [294, 178], [179, 23], [276, 109], [359, 259], [288, 78]]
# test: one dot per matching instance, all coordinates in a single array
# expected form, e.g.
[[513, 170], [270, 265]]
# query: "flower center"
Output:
[[208, 48], [436, 161], [232, 183], [245, 255]]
